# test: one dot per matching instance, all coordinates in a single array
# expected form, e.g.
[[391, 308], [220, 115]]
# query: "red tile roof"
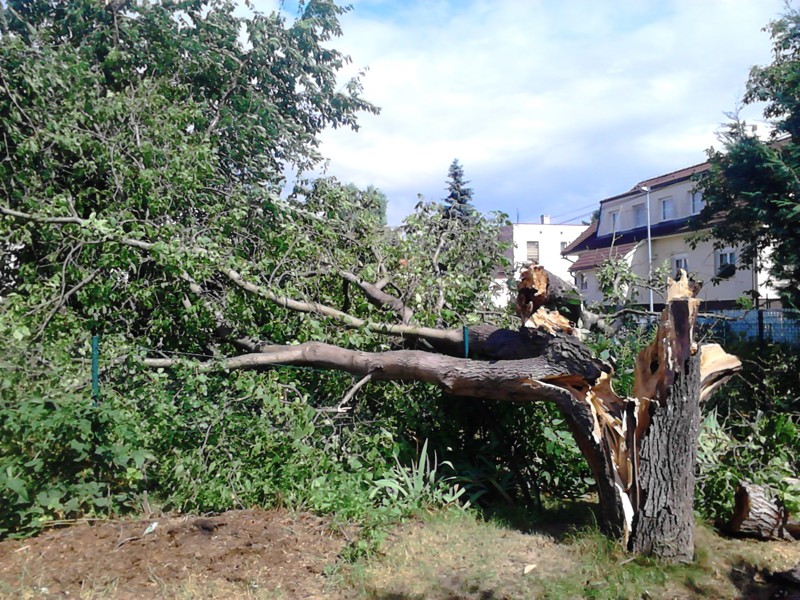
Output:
[[586, 234], [594, 258]]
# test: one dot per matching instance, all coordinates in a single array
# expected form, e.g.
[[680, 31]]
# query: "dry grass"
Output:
[[455, 556]]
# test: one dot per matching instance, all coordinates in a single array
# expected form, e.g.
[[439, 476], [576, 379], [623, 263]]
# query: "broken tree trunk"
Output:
[[643, 450]]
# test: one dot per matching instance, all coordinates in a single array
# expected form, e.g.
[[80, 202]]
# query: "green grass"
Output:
[[460, 555]]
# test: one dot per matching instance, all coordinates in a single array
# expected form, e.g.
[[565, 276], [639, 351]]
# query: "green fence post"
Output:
[[96, 367]]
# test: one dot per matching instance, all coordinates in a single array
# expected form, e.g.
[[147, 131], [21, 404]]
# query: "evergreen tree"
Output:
[[458, 203]]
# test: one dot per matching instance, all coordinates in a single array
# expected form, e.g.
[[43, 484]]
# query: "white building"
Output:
[[538, 243]]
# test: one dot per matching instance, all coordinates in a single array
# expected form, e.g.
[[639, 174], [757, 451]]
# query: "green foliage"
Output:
[[758, 448], [62, 454], [509, 454], [755, 183], [621, 287], [621, 351], [617, 282], [166, 126], [421, 484], [752, 430], [767, 382], [446, 267]]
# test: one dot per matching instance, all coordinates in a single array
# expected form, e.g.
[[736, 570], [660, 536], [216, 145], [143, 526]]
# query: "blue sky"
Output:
[[549, 105]]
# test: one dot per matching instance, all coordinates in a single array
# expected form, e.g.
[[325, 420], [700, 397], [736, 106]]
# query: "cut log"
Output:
[[756, 515]]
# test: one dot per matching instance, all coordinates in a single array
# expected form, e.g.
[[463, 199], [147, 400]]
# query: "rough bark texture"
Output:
[[664, 523], [756, 515], [641, 449]]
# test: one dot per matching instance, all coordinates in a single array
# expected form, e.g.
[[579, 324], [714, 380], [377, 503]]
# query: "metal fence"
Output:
[[766, 325]]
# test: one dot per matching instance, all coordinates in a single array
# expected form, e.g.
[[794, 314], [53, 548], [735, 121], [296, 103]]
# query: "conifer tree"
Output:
[[458, 203]]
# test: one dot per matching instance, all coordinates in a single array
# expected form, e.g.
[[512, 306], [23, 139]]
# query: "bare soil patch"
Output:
[[248, 553]]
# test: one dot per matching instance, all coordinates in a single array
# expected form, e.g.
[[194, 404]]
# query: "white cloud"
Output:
[[549, 106]]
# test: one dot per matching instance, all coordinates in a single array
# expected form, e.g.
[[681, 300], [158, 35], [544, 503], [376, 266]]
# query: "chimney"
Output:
[[545, 219]]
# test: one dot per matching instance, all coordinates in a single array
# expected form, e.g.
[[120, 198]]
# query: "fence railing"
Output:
[[765, 325]]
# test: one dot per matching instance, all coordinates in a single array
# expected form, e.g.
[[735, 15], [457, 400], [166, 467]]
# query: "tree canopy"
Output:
[[752, 191], [145, 146]]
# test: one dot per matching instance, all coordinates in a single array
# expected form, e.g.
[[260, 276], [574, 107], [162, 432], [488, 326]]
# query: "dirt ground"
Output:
[[271, 555], [248, 553]]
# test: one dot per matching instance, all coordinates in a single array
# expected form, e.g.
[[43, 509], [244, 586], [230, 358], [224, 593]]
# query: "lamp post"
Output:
[[646, 189]]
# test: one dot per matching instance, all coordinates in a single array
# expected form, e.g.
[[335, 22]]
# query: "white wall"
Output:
[[550, 238], [681, 194], [702, 263]]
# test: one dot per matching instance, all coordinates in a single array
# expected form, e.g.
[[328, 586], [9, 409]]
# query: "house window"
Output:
[[667, 209], [680, 261], [583, 282], [697, 202], [726, 263], [533, 252], [563, 246], [614, 216], [639, 215]]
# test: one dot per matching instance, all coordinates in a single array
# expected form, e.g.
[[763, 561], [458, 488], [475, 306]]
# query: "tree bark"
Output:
[[756, 515], [641, 450], [663, 525]]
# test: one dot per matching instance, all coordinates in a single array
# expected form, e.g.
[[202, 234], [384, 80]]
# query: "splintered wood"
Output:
[[533, 292], [657, 364], [642, 449]]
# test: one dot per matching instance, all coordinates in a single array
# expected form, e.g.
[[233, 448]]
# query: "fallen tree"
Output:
[[140, 199], [641, 450]]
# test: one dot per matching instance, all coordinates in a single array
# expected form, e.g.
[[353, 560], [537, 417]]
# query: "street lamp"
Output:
[[646, 189]]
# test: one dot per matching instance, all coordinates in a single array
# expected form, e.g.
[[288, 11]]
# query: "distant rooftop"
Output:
[[662, 180]]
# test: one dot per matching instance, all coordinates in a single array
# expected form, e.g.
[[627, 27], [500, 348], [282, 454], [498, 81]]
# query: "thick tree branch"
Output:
[[484, 341], [526, 380]]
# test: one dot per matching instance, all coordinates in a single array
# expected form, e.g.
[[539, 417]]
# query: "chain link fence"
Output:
[[766, 325]]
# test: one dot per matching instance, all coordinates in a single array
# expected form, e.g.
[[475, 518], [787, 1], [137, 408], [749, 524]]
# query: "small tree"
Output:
[[458, 203]]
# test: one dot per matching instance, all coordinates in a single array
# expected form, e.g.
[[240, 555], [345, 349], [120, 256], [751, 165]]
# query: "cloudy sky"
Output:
[[550, 105]]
